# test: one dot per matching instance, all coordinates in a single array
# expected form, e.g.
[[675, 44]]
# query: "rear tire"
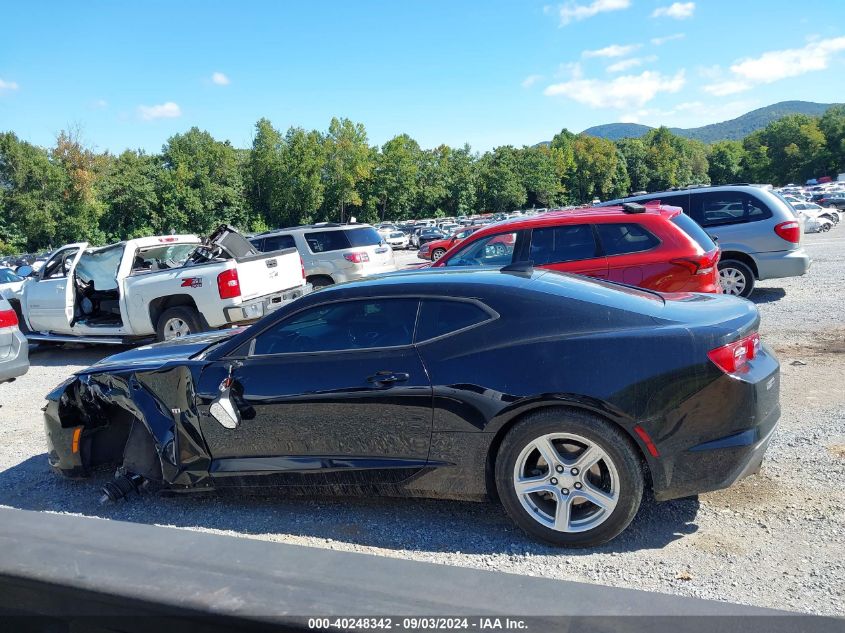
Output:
[[736, 278], [559, 511], [177, 323], [437, 253]]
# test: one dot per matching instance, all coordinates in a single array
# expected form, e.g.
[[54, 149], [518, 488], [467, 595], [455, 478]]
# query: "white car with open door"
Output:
[[167, 287]]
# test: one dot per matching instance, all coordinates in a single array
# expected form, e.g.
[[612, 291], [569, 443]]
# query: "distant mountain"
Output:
[[735, 129]]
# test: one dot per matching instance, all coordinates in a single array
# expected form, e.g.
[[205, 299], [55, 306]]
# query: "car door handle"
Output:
[[386, 377]]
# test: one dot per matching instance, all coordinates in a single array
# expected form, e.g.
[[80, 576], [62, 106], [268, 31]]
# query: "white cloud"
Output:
[[627, 64], [624, 93], [724, 88], [676, 10], [100, 104], [776, 65], [530, 80], [573, 12], [220, 79], [8, 85], [614, 50], [168, 110], [659, 41]]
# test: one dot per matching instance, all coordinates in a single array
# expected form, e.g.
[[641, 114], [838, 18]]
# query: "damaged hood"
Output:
[[152, 356]]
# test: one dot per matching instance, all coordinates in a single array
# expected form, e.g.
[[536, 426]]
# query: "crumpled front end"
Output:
[[143, 422]]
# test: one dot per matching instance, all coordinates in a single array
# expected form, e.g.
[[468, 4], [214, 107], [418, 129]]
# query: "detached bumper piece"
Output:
[[257, 308]]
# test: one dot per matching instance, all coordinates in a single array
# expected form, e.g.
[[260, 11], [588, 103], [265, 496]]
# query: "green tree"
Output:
[[726, 162], [349, 163], [31, 196], [129, 192], [636, 165], [595, 172], [201, 185], [397, 176], [303, 165], [264, 174], [500, 180], [796, 147], [541, 176], [461, 180], [832, 125]]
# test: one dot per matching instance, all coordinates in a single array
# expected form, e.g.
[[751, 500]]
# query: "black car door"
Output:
[[335, 393]]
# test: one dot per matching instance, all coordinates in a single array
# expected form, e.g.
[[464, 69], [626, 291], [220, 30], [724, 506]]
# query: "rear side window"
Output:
[[278, 242], [618, 239], [557, 244], [443, 317], [691, 228], [327, 241], [724, 208]]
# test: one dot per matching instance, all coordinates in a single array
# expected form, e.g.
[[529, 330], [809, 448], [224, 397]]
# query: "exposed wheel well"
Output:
[[158, 306], [315, 279], [16, 306], [493, 452], [741, 257]]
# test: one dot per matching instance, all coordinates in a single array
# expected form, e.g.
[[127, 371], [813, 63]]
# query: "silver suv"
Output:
[[14, 351], [757, 231], [332, 253]]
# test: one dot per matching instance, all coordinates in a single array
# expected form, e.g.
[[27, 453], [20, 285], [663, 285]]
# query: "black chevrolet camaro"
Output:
[[561, 396]]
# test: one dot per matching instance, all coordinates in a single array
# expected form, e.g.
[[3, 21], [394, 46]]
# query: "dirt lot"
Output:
[[776, 539]]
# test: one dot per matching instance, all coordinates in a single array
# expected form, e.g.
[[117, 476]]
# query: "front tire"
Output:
[[437, 254], [569, 478], [736, 278], [178, 322]]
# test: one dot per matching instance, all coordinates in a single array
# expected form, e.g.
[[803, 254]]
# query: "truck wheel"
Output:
[[178, 322]]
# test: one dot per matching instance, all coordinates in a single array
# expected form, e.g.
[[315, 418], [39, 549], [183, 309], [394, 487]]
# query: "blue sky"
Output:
[[490, 72]]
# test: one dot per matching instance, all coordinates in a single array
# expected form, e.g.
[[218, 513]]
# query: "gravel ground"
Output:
[[775, 539]]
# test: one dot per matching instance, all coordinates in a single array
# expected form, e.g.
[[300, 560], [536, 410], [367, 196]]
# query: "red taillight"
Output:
[[302, 267], [702, 265], [731, 357], [228, 284], [8, 318], [790, 231], [356, 258]]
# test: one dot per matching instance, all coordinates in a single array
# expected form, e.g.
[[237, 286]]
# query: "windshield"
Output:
[[100, 267], [7, 276]]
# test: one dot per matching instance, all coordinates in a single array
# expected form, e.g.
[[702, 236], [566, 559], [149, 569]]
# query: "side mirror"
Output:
[[223, 408]]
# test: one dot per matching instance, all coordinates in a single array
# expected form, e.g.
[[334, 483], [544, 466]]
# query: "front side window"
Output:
[[58, 266], [492, 250], [348, 325], [619, 239], [558, 244], [439, 317]]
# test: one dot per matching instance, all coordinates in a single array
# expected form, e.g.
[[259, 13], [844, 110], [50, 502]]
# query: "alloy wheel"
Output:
[[175, 328], [732, 281], [566, 482]]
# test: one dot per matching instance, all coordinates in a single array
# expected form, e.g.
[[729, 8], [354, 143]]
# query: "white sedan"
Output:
[[397, 240]]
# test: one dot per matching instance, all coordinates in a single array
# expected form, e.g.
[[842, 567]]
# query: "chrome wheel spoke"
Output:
[[563, 512], [534, 484], [547, 451], [597, 496], [589, 458]]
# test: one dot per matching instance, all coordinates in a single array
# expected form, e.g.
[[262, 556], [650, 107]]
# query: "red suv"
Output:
[[653, 246], [435, 249]]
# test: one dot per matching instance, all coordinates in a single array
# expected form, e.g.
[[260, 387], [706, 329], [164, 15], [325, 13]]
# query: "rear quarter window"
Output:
[[691, 228], [441, 317], [726, 208]]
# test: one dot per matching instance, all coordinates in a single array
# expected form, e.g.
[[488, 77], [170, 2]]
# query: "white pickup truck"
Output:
[[167, 287]]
